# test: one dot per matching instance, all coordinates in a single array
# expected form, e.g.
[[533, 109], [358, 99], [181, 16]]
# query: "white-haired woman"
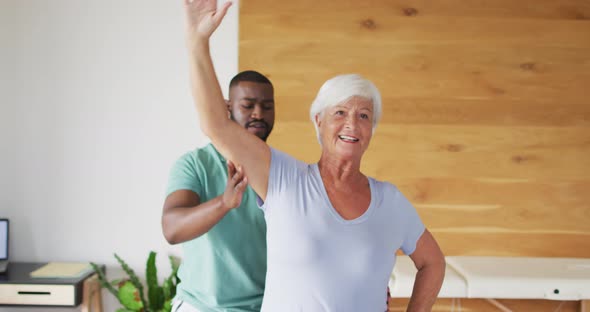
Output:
[[332, 232]]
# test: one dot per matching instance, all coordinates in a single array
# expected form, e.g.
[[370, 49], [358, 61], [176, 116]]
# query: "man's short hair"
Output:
[[249, 75]]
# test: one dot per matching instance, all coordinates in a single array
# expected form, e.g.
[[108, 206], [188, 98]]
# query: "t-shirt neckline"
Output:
[[333, 210]]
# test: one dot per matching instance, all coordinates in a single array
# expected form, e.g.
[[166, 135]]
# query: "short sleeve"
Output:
[[184, 175], [283, 175], [413, 225]]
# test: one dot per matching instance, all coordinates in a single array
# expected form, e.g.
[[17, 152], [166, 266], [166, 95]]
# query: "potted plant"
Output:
[[130, 290]]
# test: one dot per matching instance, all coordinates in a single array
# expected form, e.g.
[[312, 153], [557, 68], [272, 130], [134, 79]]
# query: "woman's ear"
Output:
[[318, 120]]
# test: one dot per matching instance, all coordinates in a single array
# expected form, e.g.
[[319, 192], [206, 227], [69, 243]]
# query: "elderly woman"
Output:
[[332, 232]]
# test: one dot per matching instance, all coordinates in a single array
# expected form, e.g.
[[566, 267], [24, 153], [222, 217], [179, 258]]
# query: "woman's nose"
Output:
[[351, 121]]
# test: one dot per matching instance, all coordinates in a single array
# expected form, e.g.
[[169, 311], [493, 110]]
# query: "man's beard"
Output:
[[249, 123]]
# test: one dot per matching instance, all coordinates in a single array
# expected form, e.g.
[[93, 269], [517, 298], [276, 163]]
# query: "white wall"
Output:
[[95, 108], [7, 69]]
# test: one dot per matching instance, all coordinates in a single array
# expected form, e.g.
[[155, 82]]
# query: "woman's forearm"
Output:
[[426, 287]]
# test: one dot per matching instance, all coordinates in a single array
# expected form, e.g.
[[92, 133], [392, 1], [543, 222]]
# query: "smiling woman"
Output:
[[332, 232], [345, 114], [343, 87]]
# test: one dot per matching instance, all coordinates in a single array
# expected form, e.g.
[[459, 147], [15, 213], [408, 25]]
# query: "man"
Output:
[[216, 219]]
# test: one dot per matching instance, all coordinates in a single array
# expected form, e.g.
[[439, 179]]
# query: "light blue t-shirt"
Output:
[[223, 269], [318, 261]]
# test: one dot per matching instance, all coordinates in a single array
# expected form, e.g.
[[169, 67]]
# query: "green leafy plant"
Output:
[[131, 292]]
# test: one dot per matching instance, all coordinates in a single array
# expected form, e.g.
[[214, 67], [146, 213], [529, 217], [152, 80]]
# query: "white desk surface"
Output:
[[502, 278], [524, 277]]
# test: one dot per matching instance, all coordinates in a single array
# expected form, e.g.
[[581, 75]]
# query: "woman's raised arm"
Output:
[[233, 141]]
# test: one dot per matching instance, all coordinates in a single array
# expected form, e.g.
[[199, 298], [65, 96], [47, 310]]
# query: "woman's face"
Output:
[[346, 128]]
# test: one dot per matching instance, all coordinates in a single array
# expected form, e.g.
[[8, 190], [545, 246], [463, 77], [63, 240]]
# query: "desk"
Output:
[[17, 288], [492, 278]]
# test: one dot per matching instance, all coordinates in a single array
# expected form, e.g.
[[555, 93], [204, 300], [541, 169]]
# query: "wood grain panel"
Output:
[[380, 29], [445, 58], [475, 85], [512, 243], [542, 9], [467, 152], [464, 112], [485, 205], [486, 117], [505, 113], [457, 71]]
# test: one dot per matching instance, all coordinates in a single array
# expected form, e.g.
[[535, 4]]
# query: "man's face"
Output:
[[252, 105]]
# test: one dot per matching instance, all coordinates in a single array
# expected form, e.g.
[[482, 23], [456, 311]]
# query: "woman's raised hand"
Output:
[[203, 17]]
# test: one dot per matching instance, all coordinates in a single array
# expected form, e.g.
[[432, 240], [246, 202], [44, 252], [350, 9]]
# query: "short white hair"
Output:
[[340, 89]]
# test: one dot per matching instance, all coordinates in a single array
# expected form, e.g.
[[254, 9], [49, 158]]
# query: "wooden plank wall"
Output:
[[486, 124]]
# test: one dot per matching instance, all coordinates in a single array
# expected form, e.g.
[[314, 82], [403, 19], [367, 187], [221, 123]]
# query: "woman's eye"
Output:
[[339, 113], [364, 116]]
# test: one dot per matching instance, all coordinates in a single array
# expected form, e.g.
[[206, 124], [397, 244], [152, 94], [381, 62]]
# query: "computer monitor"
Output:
[[3, 245]]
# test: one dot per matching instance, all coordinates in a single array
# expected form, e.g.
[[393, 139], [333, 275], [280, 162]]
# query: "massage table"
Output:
[[492, 278]]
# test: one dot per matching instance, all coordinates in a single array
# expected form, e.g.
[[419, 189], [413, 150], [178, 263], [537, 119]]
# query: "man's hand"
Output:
[[236, 184], [203, 17]]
